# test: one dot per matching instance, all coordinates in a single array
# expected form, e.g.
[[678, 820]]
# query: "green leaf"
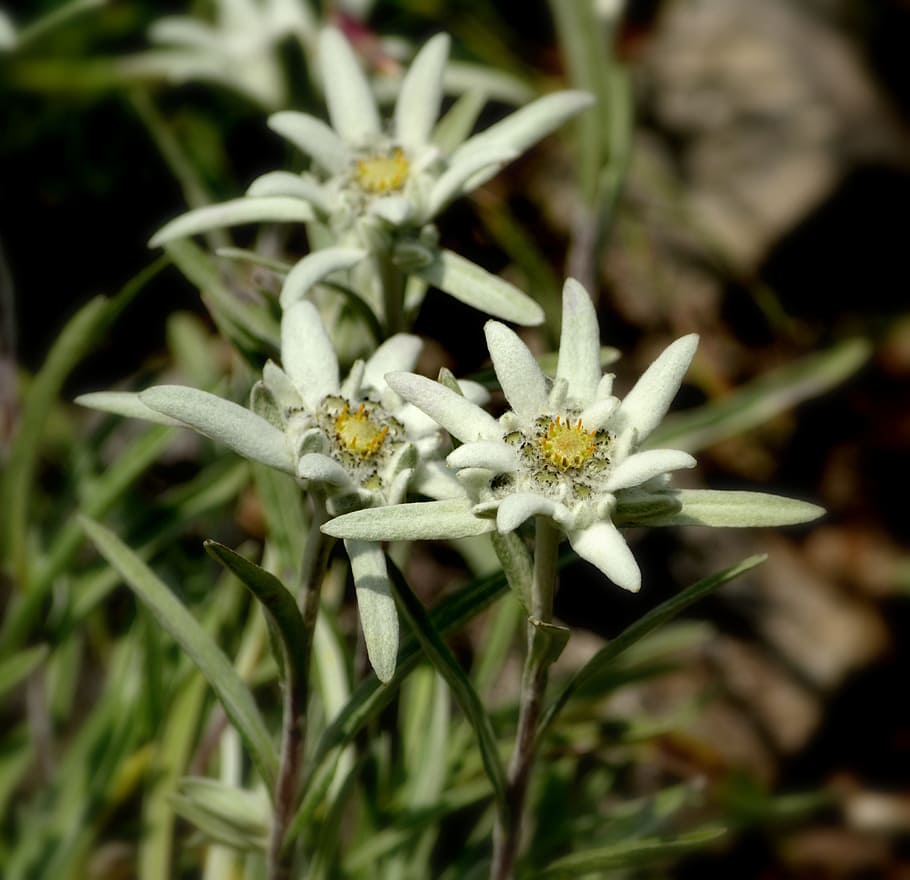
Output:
[[280, 607], [756, 403], [176, 619], [517, 564], [371, 697], [658, 616], [476, 287], [228, 814], [630, 854], [729, 509], [441, 657], [20, 666]]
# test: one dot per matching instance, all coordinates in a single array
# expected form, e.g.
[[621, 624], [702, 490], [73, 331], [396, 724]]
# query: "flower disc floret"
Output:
[[380, 174]]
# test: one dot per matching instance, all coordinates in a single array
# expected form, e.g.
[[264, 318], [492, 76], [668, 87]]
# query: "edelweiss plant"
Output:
[[375, 190], [354, 443]]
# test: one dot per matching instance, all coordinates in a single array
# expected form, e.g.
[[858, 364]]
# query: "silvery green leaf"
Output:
[[235, 426], [453, 181], [420, 521], [284, 183], [316, 267], [517, 507], [375, 605], [307, 353], [476, 287], [418, 101], [396, 210], [231, 815], [526, 126], [313, 137], [400, 352], [707, 507], [125, 403], [271, 209], [352, 107]]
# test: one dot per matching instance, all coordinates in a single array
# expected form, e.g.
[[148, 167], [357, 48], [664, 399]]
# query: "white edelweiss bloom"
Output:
[[356, 440], [566, 448], [377, 187]]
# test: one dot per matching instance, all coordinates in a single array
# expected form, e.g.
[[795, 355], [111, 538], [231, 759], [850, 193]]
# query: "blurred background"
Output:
[[764, 195]]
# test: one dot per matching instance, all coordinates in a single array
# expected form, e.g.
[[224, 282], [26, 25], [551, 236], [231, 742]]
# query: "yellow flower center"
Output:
[[566, 445], [382, 174], [358, 433]]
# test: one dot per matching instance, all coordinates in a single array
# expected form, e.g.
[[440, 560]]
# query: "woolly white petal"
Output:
[[642, 466], [453, 182], [418, 101], [515, 509], [417, 521], [376, 606], [527, 126], [283, 183], [647, 403], [602, 545], [322, 469], [313, 137], [393, 209], [596, 415], [307, 353], [579, 343], [491, 454], [125, 403], [474, 391], [516, 368], [400, 352], [264, 209], [316, 267], [460, 417], [235, 426], [352, 107], [435, 480]]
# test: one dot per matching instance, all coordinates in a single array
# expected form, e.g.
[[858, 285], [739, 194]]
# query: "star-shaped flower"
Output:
[[377, 187], [356, 441]]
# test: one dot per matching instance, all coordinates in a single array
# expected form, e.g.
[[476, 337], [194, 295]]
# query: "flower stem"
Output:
[[392, 281], [507, 833], [296, 694]]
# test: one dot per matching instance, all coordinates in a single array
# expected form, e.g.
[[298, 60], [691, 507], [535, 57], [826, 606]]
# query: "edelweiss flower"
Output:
[[376, 189], [356, 440]]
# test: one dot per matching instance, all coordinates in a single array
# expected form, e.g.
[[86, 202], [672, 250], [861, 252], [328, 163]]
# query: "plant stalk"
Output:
[[508, 832], [296, 695], [392, 281]]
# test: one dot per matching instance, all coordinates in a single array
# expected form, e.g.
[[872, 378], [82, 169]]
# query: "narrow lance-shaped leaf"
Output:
[[278, 604], [644, 625], [730, 509], [756, 403], [176, 619], [462, 689]]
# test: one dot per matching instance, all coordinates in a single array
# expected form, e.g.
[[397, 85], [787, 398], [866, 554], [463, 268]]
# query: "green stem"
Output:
[[293, 735], [392, 280], [507, 834]]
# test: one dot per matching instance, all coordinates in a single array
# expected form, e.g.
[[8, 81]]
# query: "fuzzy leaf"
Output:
[[417, 521]]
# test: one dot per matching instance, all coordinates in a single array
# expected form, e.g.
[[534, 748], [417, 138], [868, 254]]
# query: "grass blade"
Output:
[[176, 619]]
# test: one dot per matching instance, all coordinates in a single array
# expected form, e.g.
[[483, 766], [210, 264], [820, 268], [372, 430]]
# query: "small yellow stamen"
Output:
[[383, 174], [358, 433], [566, 445]]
